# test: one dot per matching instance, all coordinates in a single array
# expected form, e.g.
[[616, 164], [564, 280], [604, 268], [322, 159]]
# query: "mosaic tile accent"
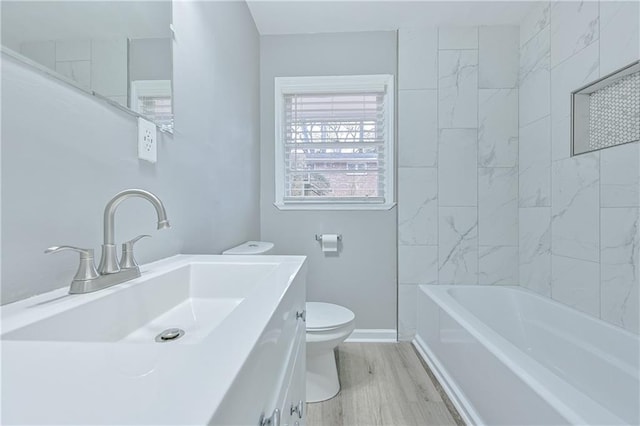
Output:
[[614, 113]]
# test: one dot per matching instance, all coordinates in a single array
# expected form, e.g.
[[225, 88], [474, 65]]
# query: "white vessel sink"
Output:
[[99, 350], [195, 297]]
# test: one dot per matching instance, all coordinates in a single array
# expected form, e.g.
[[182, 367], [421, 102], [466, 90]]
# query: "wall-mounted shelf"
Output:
[[606, 112]]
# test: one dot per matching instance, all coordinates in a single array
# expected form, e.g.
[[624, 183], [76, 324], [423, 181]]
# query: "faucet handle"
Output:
[[86, 269], [128, 261]]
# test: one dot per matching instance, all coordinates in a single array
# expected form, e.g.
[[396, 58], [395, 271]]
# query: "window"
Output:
[[334, 142], [152, 99]]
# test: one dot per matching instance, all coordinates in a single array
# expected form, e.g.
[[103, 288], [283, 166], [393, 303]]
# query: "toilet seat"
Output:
[[327, 316]]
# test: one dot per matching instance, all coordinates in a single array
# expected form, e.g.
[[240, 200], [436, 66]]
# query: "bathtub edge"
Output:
[[464, 408]]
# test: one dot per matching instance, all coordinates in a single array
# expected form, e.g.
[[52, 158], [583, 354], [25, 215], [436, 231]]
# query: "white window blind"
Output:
[[336, 146], [157, 108], [152, 99]]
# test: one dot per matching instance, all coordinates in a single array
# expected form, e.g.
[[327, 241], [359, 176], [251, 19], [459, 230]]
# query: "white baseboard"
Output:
[[373, 335]]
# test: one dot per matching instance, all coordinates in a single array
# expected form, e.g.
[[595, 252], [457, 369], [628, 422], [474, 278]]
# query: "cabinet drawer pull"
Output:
[[274, 420], [299, 409], [302, 315]]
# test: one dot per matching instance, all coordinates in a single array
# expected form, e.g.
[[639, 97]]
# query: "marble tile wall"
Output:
[[457, 159], [488, 192], [578, 216], [417, 169]]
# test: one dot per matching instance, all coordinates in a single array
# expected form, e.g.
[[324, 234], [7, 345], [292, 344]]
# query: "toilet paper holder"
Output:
[[319, 237]]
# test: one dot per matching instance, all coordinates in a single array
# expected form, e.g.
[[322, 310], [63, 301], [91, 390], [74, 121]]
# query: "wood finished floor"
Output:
[[381, 384]]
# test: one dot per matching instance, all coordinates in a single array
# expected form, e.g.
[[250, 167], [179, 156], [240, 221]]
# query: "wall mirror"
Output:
[[117, 50]]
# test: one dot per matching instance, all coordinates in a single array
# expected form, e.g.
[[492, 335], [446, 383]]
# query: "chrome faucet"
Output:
[[109, 260], [110, 271]]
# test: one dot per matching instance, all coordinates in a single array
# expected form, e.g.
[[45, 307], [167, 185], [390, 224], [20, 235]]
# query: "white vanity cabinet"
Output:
[[293, 397], [273, 377], [241, 356]]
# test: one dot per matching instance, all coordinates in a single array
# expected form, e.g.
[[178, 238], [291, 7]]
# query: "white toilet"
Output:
[[328, 325]]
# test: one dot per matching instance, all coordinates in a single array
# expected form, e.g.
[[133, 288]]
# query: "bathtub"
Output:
[[507, 356]]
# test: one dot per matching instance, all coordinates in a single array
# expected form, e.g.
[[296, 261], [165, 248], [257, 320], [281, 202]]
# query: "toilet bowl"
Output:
[[328, 325]]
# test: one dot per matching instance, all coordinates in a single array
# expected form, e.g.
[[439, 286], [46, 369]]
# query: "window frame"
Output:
[[335, 84]]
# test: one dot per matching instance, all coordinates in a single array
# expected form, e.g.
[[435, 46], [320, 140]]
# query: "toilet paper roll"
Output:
[[329, 243]]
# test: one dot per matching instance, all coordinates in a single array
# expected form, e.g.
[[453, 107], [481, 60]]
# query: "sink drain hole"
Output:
[[170, 335]]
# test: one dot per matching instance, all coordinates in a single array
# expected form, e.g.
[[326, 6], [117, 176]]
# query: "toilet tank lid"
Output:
[[327, 315], [250, 247]]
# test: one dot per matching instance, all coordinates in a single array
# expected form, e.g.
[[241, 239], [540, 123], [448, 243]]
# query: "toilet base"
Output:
[[322, 376]]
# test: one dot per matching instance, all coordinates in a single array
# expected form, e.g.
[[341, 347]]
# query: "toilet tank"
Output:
[[251, 247]]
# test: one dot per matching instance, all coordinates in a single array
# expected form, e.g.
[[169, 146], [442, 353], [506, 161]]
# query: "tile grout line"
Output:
[[437, 159], [599, 176], [397, 183], [477, 275], [518, 167], [550, 133]]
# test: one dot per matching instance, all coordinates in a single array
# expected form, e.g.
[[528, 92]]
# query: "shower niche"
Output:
[[606, 112]]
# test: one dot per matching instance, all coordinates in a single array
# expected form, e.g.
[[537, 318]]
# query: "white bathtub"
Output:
[[508, 356]]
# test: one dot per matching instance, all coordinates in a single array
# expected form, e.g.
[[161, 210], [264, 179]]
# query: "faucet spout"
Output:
[[109, 261]]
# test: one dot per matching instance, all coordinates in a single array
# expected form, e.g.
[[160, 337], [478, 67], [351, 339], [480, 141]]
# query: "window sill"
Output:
[[320, 206]]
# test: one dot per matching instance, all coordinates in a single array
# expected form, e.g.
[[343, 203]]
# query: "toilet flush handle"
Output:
[[302, 315]]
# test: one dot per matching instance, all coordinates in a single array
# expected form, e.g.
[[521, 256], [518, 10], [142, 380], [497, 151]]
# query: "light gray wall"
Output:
[[363, 276], [150, 59], [457, 160], [64, 154], [579, 216]]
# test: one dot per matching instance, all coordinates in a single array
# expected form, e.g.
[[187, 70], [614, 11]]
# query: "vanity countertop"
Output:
[[130, 382]]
